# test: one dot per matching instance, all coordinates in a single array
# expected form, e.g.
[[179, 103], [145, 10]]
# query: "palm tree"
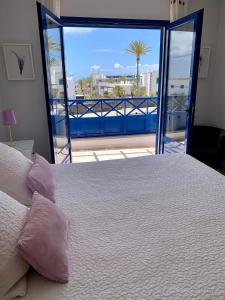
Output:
[[111, 80], [118, 91], [52, 45], [138, 48], [81, 84], [53, 62]]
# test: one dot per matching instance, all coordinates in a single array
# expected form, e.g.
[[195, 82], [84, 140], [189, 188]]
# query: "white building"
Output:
[[71, 87], [57, 82], [102, 83], [150, 81], [178, 86]]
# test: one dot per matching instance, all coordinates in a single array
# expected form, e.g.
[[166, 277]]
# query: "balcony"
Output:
[[108, 117], [106, 129], [117, 128]]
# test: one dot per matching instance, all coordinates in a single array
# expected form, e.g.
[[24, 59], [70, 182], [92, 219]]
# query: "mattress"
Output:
[[140, 228]]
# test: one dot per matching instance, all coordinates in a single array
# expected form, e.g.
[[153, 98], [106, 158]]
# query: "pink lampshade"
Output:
[[8, 117]]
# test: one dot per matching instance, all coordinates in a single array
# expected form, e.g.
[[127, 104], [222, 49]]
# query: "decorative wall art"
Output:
[[19, 61]]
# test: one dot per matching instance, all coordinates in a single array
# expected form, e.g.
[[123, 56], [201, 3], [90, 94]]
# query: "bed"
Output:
[[140, 228]]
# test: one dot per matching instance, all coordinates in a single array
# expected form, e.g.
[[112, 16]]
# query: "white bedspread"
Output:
[[141, 228]]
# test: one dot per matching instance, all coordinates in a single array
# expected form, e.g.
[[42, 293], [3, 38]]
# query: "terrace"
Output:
[[112, 147]]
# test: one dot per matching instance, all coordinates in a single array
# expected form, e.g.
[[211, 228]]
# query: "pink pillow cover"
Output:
[[40, 178], [43, 240]]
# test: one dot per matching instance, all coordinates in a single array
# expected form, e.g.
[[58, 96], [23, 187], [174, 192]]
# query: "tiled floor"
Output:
[[100, 155]]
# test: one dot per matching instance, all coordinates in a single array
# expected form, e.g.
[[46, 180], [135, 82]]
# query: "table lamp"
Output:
[[9, 119]]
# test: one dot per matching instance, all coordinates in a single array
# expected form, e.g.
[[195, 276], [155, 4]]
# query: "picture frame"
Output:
[[204, 62], [19, 61]]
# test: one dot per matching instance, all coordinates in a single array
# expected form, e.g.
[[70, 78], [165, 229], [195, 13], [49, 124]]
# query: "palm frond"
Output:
[[138, 48], [53, 62], [53, 45]]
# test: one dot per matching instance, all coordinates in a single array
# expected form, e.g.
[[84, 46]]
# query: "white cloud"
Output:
[[127, 69], [182, 43], [150, 67], [118, 66], [145, 67], [107, 50], [78, 30], [95, 67], [131, 67]]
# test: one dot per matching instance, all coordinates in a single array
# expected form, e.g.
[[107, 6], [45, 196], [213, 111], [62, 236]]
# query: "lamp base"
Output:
[[11, 143]]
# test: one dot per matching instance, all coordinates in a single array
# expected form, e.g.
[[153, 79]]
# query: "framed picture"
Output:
[[204, 62], [19, 61]]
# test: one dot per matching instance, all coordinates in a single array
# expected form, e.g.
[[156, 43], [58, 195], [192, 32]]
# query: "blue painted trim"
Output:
[[127, 23], [165, 87], [94, 22], [99, 123], [160, 91], [113, 22], [43, 13], [186, 19], [65, 93], [197, 17], [42, 25]]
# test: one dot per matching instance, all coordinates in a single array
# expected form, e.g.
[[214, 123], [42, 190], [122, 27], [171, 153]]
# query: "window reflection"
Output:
[[179, 85]]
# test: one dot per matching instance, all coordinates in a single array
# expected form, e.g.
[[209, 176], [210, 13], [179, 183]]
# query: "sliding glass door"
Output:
[[181, 75], [55, 84]]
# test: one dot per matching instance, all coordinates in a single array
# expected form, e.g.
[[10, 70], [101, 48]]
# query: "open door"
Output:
[[180, 83], [51, 36]]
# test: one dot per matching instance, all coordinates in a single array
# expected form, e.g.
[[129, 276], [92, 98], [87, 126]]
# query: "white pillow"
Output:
[[18, 290], [14, 167], [12, 266]]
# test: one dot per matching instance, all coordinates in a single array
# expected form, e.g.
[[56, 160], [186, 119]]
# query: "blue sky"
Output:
[[103, 49]]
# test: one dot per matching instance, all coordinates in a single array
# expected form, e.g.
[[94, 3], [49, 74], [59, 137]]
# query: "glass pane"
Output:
[[179, 87], [53, 52]]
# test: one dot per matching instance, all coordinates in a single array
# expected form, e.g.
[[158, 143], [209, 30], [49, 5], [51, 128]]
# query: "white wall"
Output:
[[18, 24], [2, 129], [143, 9], [203, 114], [216, 102]]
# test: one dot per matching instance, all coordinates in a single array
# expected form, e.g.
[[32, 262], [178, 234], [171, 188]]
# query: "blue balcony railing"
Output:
[[114, 116], [118, 116]]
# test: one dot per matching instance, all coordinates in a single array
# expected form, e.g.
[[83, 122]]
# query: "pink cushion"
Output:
[[40, 178], [43, 240]]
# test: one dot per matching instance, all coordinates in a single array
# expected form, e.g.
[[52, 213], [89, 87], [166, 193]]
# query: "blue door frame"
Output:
[[197, 18], [129, 23], [164, 26], [65, 151]]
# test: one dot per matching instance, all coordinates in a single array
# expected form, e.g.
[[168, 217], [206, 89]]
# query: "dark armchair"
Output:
[[208, 146]]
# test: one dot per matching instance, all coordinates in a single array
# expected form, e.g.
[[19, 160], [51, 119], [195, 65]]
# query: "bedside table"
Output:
[[25, 147]]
